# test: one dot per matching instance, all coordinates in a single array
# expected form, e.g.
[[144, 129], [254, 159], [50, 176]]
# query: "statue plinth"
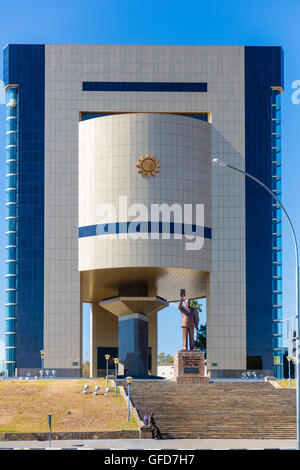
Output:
[[189, 367]]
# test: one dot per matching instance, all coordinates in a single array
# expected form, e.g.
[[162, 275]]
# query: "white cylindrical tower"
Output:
[[144, 212]]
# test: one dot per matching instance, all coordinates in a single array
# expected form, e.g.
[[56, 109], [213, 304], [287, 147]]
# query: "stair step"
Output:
[[217, 410]]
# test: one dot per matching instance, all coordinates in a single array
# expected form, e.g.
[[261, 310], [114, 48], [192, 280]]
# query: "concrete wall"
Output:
[[222, 67]]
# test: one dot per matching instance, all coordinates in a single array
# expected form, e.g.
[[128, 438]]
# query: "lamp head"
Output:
[[129, 380], [218, 162], [116, 360], [107, 356]]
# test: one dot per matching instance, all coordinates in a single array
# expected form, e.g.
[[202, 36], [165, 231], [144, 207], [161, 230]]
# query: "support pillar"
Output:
[[103, 333], [152, 340], [133, 344]]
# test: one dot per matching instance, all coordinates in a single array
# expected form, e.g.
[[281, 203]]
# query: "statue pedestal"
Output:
[[189, 367]]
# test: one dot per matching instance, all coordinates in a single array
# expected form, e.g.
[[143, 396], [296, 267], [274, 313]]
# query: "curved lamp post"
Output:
[[220, 163], [43, 359], [116, 361], [107, 357], [289, 358], [128, 380]]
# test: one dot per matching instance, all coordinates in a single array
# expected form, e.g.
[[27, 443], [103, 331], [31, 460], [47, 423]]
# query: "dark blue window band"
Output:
[[141, 227], [145, 86], [85, 116]]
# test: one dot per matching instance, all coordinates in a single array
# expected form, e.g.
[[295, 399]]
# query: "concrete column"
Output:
[[153, 342], [93, 343], [103, 333], [133, 344]]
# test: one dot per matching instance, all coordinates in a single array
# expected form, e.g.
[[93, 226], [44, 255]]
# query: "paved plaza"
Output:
[[168, 444]]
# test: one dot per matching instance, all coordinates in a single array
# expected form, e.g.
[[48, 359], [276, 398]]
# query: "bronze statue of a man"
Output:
[[189, 321]]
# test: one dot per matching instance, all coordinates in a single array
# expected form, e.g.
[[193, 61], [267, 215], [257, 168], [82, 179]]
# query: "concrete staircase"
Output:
[[219, 410]]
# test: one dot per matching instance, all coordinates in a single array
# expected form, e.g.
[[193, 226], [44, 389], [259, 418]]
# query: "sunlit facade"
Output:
[[92, 126]]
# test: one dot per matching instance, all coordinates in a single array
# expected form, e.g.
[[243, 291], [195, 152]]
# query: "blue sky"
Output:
[[230, 22]]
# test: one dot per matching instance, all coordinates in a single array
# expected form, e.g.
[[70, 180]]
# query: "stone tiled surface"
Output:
[[222, 67]]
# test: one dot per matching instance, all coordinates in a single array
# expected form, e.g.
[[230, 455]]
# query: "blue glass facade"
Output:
[[24, 65], [263, 70]]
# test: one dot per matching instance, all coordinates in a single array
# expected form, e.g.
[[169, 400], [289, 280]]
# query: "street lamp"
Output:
[[107, 357], [128, 380], [116, 361], [218, 162], [43, 359], [289, 358], [49, 422]]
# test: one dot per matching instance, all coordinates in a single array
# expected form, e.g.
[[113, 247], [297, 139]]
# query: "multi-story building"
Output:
[[92, 127]]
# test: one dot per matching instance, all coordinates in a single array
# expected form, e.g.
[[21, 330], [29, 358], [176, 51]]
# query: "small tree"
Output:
[[165, 358], [195, 304], [200, 341], [169, 359], [161, 357]]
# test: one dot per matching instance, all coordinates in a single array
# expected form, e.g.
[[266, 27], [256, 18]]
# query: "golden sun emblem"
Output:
[[148, 166]]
